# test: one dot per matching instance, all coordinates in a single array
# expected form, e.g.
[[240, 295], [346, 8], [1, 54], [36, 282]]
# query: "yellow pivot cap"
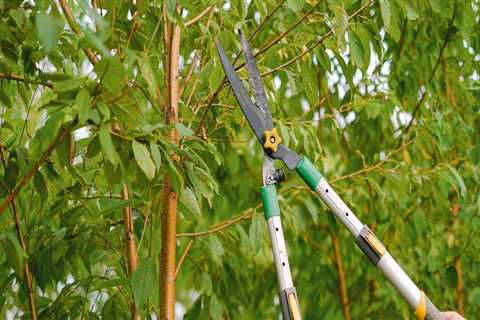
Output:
[[271, 140]]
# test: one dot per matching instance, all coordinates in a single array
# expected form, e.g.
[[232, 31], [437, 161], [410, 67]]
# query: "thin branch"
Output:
[[16, 77], [435, 67], [71, 22], [30, 173], [184, 255], [222, 85], [245, 215], [342, 286], [286, 32], [131, 250], [21, 239], [199, 16], [316, 44], [260, 26], [460, 291]]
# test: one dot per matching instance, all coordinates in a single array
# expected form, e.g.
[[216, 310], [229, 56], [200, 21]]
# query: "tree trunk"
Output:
[[169, 210]]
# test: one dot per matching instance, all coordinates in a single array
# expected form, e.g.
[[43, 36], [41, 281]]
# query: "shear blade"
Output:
[[256, 82], [251, 112]]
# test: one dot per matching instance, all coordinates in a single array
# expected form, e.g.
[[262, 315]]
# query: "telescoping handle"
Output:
[[288, 293], [369, 243]]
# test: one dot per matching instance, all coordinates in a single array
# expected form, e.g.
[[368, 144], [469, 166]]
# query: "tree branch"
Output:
[[71, 22], [435, 67], [199, 16], [131, 249], [30, 173], [26, 268], [16, 77], [342, 287], [245, 215], [182, 258], [170, 197], [460, 291], [316, 44]]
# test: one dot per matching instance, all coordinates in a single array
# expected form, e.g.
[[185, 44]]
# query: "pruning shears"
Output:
[[260, 119]]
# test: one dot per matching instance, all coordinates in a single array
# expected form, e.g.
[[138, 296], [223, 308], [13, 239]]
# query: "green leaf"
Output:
[[49, 30], [106, 142], [183, 131], [340, 25], [156, 155], [112, 74], [144, 160], [143, 280], [295, 5], [216, 308], [14, 253], [40, 185], [47, 134], [356, 49], [460, 183], [373, 109], [83, 105], [216, 249], [189, 202], [149, 76], [390, 18]]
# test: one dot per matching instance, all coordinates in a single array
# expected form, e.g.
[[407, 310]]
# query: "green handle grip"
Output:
[[270, 201], [309, 173]]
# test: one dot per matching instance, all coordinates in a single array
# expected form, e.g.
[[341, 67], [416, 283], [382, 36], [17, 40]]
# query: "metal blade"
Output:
[[248, 107], [256, 82]]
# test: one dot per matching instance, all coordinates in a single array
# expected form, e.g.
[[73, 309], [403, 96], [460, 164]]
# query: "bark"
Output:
[[132, 259], [342, 287], [26, 268], [460, 291], [169, 209]]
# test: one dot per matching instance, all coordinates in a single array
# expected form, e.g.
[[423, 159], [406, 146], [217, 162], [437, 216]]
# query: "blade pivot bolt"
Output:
[[271, 140]]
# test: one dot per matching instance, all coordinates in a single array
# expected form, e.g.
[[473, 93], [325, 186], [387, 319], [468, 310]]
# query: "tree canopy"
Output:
[[128, 169]]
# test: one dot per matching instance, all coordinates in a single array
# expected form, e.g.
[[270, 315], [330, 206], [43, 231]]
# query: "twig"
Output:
[[316, 44], [460, 291], [430, 78], [199, 16], [16, 77], [26, 268], [260, 26], [245, 215], [286, 32], [132, 258], [71, 22], [30, 173], [341, 277], [184, 255]]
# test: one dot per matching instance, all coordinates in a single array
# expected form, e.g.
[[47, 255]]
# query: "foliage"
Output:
[[386, 104]]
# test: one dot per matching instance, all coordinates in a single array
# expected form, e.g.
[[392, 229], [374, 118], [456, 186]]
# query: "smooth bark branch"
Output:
[[199, 16], [26, 268], [132, 258], [342, 286], [460, 290], [30, 173], [16, 77], [170, 198], [247, 214], [71, 22], [182, 258]]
